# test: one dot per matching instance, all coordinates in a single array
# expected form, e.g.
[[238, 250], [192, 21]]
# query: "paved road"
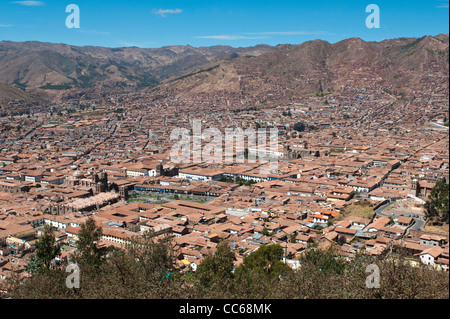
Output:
[[418, 222], [379, 210]]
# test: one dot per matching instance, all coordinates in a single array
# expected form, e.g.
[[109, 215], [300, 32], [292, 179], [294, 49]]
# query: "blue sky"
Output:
[[150, 24]]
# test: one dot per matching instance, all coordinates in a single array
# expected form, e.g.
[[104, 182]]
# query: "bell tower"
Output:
[[414, 187], [123, 192], [159, 169]]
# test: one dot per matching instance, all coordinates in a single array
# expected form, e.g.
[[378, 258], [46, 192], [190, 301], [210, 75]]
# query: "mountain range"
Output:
[[59, 66], [402, 64], [399, 65]]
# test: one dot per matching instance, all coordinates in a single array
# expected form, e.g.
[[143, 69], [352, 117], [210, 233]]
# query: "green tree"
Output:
[[437, 205], [136, 273], [323, 260], [155, 257], [89, 253], [218, 266], [293, 238], [249, 183], [266, 261], [300, 127], [47, 249], [33, 265]]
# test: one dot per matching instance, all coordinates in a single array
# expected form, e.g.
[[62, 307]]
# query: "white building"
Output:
[[430, 255], [200, 174], [140, 172]]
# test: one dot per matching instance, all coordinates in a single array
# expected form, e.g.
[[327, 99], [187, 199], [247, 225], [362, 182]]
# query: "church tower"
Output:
[[414, 187], [123, 192], [104, 181], [159, 169]]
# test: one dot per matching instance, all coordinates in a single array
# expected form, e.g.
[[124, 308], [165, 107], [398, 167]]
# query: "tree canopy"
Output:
[[437, 205], [265, 261], [89, 253], [146, 269], [300, 127], [47, 249], [217, 266]]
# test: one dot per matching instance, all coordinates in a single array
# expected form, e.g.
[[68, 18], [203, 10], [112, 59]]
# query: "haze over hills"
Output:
[[395, 65]]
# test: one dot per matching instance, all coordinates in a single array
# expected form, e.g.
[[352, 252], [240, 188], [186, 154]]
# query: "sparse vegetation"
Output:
[[49, 86], [145, 269], [363, 209]]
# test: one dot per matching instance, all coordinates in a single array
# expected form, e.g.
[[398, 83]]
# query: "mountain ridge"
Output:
[[399, 64], [34, 65]]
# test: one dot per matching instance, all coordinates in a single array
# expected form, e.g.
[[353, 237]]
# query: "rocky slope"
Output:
[[397, 65]]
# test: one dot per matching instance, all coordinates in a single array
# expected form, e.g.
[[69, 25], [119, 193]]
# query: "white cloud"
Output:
[[5, 25], [30, 3], [163, 12], [228, 37], [260, 35], [289, 33]]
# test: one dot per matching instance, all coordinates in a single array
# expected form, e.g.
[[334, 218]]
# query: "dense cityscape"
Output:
[[358, 170], [336, 153]]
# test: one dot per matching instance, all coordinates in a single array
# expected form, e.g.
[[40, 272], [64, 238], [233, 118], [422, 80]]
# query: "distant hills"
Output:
[[403, 64], [59, 66], [396, 65], [9, 93]]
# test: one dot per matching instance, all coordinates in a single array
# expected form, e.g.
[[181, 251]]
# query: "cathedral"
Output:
[[96, 184], [102, 194]]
